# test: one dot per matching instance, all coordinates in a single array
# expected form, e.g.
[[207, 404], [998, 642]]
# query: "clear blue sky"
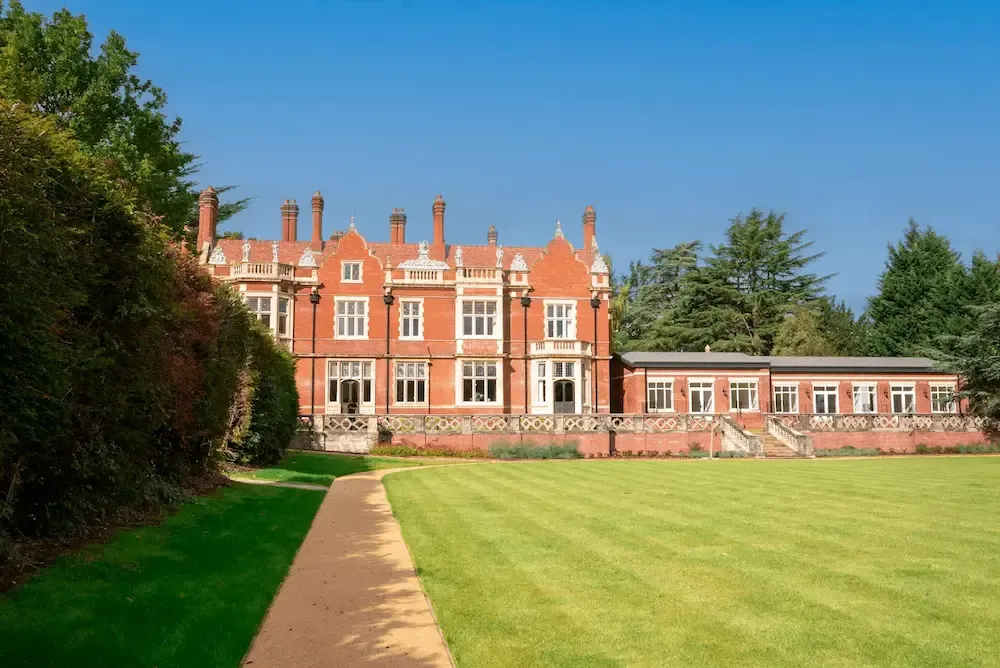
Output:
[[669, 118]]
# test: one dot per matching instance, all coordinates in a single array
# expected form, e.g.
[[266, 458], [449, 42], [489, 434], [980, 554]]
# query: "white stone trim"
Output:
[[368, 312]]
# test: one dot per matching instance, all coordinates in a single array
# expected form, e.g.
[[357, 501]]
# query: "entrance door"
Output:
[[564, 399], [350, 396]]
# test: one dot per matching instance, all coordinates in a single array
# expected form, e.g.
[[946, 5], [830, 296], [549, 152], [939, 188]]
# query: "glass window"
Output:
[[904, 398], [540, 373], [825, 399], [261, 307], [282, 316], [411, 320], [411, 382], [702, 396], [351, 318], [559, 322], [340, 370], [786, 398], [660, 396], [478, 318], [564, 370], [864, 398], [743, 395], [479, 382], [351, 272], [942, 398]]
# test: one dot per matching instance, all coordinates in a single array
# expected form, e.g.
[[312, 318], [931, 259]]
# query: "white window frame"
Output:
[[337, 301], [365, 375], [497, 378], [871, 389], [410, 320], [414, 375], [664, 387], [287, 316], [790, 391], [541, 383], [902, 390], [493, 318], [827, 393], [753, 394], [260, 314], [347, 271], [552, 322], [941, 388], [701, 391]]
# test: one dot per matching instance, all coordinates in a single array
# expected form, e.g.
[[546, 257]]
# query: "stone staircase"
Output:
[[773, 448]]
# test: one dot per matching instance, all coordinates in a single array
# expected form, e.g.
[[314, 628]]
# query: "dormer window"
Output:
[[350, 272]]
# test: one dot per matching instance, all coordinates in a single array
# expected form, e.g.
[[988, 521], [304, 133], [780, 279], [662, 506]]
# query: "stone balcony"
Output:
[[567, 347], [261, 271]]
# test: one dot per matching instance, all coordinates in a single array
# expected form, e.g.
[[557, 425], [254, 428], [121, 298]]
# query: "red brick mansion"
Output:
[[457, 344]]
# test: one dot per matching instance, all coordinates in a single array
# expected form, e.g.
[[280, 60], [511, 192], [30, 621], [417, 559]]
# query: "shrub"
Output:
[[567, 450], [408, 450], [730, 454], [847, 451]]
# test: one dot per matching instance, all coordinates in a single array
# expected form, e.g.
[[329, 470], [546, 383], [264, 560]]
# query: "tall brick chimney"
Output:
[[397, 227], [208, 217], [284, 219], [491, 236], [317, 237], [589, 227], [293, 221], [438, 209]]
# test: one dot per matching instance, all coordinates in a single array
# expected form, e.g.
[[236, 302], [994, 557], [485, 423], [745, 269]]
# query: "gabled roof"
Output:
[[682, 360]]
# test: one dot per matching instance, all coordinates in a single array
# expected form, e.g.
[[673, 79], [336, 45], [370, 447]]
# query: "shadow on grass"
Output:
[[188, 592], [320, 468]]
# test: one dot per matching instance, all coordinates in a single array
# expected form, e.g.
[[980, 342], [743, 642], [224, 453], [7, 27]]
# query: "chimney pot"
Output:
[[589, 227], [491, 236], [438, 210], [316, 243], [208, 217]]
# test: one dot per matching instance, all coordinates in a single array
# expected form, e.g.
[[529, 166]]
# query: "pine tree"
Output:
[[652, 291], [921, 294], [846, 334], [738, 299], [975, 356]]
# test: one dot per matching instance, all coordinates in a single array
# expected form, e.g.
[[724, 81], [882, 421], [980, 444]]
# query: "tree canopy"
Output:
[[49, 64]]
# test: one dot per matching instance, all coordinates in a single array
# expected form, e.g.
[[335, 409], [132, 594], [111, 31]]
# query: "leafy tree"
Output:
[[846, 334], [47, 64], [651, 291], [232, 234], [975, 356], [738, 299], [921, 294], [801, 334]]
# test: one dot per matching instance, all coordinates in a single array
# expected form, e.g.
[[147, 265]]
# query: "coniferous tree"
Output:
[[801, 334], [846, 334], [921, 295], [975, 356], [739, 298], [652, 291]]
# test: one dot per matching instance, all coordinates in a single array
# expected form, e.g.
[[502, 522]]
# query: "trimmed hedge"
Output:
[[124, 365], [967, 449], [847, 451], [406, 450], [503, 450]]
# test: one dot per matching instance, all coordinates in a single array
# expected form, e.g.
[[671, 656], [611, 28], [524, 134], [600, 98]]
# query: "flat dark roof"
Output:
[[681, 360]]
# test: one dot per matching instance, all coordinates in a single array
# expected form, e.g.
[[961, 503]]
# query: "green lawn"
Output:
[[189, 592], [320, 468], [890, 562]]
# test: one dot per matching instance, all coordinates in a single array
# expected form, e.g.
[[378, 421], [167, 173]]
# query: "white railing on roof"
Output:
[[261, 271], [480, 274]]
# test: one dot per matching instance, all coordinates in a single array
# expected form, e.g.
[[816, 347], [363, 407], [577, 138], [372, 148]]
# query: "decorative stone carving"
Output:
[[351, 225], [518, 263], [599, 266], [500, 257], [559, 234], [423, 260], [274, 251], [246, 250], [217, 257], [307, 259], [458, 256]]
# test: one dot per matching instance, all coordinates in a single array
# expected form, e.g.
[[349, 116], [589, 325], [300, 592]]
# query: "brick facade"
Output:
[[457, 334]]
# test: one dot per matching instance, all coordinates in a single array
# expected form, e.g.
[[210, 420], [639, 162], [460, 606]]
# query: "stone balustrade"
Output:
[[804, 422], [799, 442], [263, 271]]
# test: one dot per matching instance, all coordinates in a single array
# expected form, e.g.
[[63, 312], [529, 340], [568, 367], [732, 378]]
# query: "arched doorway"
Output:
[[350, 396], [564, 396]]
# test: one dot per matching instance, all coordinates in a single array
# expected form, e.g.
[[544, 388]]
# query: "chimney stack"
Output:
[[397, 227], [491, 236], [317, 236], [208, 218], [285, 213], [589, 227], [293, 221], [438, 209]]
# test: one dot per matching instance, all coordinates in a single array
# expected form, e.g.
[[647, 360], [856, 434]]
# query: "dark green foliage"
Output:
[[120, 356], [407, 450], [48, 65], [800, 334], [921, 295], [502, 450], [965, 449], [738, 298], [730, 454], [847, 451], [975, 356]]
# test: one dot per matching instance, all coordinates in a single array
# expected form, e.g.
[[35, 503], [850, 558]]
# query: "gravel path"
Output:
[[351, 597]]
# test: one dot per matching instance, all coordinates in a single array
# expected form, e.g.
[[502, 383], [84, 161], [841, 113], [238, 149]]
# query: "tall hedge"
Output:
[[121, 360]]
